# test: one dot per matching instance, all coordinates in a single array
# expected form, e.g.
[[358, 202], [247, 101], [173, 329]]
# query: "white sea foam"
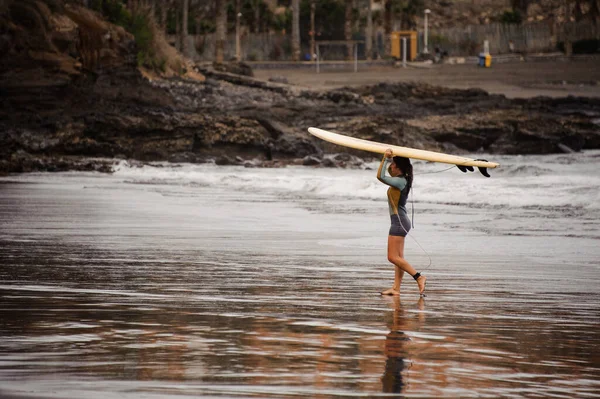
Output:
[[534, 182]]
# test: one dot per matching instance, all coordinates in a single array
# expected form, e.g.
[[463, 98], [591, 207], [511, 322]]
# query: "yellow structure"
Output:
[[411, 43], [485, 60], [488, 60]]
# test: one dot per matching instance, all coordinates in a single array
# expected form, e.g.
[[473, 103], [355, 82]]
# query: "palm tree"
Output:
[[256, 6], [296, 30], [387, 26], [348, 28], [221, 30], [185, 7], [369, 32], [164, 10], [520, 6], [313, 32]]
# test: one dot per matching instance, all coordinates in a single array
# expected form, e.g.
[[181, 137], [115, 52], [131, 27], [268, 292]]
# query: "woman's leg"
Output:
[[395, 250], [399, 273], [396, 256]]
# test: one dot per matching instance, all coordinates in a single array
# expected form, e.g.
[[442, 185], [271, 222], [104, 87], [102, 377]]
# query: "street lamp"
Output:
[[238, 45], [425, 49]]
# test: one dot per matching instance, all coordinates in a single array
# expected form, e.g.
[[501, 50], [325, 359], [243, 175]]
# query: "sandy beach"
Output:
[[203, 281], [513, 79]]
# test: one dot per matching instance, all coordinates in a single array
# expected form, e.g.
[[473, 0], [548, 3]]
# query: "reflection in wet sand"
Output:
[[123, 293]]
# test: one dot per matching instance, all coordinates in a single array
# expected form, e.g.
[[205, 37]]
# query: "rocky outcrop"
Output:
[[50, 44]]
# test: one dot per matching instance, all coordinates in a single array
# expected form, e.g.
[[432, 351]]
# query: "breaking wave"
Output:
[[544, 182]]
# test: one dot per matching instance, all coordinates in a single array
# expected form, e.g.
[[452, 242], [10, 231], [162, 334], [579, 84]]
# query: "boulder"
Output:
[[236, 68], [311, 160]]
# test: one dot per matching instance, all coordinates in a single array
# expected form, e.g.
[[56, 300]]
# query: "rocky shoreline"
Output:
[[123, 115], [57, 116]]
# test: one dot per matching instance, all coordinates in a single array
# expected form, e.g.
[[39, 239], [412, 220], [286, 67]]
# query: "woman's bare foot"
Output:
[[421, 281], [391, 292]]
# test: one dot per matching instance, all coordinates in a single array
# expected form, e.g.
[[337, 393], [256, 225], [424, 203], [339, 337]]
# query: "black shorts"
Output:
[[400, 225]]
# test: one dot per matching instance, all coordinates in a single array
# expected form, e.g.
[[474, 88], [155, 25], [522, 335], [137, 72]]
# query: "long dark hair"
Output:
[[406, 167]]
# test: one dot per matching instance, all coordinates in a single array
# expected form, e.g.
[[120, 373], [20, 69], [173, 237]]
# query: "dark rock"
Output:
[[251, 164], [573, 141], [467, 141], [296, 145], [328, 163], [182, 157], [310, 160], [275, 128], [342, 157], [237, 68], [224, 160], [564, 148], [592, 139]]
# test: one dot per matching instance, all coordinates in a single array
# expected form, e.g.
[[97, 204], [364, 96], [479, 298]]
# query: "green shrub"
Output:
[[142, 26], [162, 65], [511, 17], [144, 37]]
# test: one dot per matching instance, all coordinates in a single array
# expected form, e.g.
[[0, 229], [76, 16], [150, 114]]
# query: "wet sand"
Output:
[[127, 290], [515, 80]]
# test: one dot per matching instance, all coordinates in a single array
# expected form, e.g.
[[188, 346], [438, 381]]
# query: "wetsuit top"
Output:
[[397, 193]]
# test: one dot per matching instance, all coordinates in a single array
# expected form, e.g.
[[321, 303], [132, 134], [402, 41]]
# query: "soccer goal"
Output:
[[331, 49]]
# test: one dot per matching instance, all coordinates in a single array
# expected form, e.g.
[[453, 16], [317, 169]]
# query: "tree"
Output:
[[313, 31], [185, 7], [238, 44], [164, 10], [369, 31], [256, 5], [221, 30], [595, 12], [520, 6], [348, 28], [296, 30], [387, 26]]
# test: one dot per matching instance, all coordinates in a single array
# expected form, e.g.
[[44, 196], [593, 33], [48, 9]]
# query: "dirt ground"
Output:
[[515, 80]]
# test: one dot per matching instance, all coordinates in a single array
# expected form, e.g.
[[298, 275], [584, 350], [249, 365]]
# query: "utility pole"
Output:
[[238, 16], [296, 30], [348, 30], [426, 50], [184, 27], [568, 28], [221, 30], [313, 32], [369, 32]]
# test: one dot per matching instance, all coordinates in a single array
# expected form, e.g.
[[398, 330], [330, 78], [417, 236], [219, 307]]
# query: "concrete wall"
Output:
[[526, 38]]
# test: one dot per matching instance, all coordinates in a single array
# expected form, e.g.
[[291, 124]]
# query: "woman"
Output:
[[400, 182]]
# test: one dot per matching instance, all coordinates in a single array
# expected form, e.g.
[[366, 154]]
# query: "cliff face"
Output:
[[52, 44]]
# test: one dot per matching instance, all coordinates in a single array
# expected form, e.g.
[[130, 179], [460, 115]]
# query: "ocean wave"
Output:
[[525, 170], [522, 182]]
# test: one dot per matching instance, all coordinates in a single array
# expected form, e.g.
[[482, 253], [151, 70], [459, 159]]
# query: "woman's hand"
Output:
[[389, 153]]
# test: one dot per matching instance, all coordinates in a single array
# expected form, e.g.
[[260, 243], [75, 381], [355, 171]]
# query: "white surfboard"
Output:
[[462, 163]]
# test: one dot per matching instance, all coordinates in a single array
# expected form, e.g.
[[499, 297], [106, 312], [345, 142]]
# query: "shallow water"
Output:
[[198, 281]]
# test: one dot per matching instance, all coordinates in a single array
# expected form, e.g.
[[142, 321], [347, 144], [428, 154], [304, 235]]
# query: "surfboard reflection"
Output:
[[395, 348]]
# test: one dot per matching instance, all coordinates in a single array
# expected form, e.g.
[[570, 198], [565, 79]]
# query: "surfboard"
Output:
[[464, 164]]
